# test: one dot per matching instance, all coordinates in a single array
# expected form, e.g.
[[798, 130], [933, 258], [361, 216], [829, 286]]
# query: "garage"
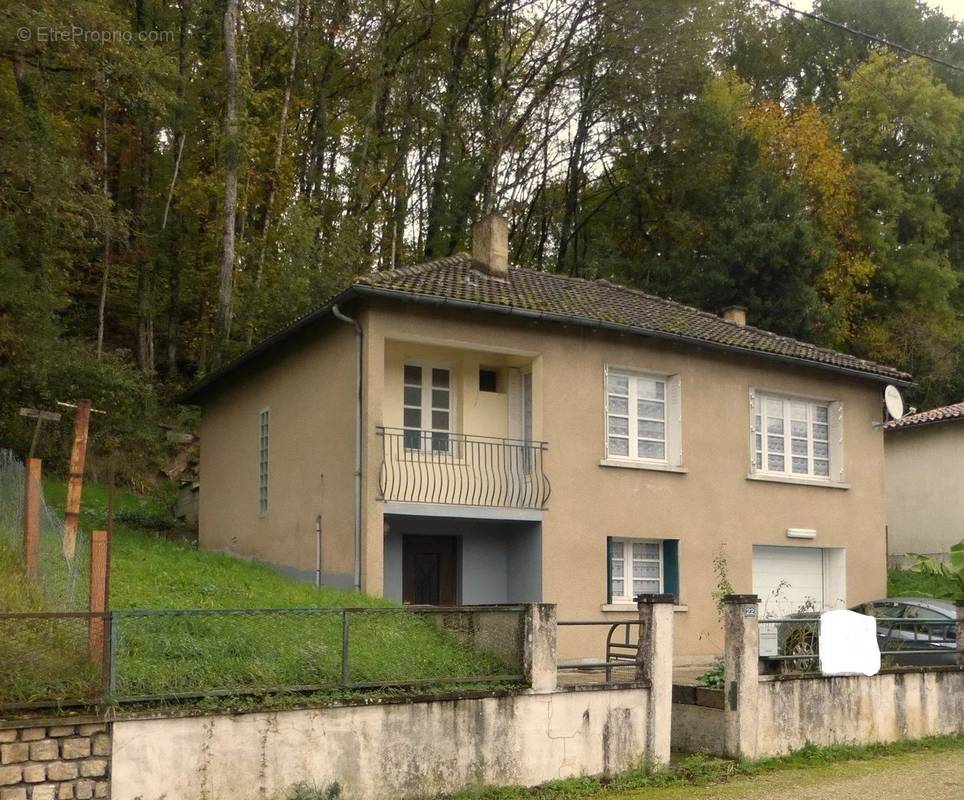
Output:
[[792, 579]]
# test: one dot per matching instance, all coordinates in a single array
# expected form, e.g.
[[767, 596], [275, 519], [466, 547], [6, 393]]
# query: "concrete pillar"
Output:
[[654, 663], [741, 657], [960, 632], [539, 644]]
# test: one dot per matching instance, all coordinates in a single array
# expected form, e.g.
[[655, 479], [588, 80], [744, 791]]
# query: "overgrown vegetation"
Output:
[[704, 770], [907, 583], [947, 577], [179, 653]]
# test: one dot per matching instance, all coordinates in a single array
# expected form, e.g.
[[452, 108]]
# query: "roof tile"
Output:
[[950, 413]]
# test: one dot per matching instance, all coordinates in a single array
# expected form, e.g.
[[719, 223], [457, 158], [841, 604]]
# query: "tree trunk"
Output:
[[231, 146]]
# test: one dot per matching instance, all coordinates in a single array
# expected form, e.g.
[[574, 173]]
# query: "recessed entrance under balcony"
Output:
[[437, 560]]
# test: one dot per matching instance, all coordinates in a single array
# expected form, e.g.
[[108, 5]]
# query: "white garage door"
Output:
[[788, 579]]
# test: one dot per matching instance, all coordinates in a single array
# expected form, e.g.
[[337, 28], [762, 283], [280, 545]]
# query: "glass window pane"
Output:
[[440, 441], [774, 407], [759, 441], [619, 425], [413, 440], [798, 410], [652, 409], [821, 449], [800, 466], [821, 468], [775, 444], [651, 449], [618, 569], [798, 428], [440, 398], [617, 588], [618, 446], [775, 463], [440, 378], [618, 405], [617, 549], [798, 447], [413, 375], [820, 431], [645, 550], [618, 384], [440, 420], [759, 460], [651, 430], [820, 413], [412, 418], [645, 587], [650, 389], [646, 569], [775, 425], [413, 396], [757, 422]]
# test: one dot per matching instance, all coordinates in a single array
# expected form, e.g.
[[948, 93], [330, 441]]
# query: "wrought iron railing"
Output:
[[456, 469]]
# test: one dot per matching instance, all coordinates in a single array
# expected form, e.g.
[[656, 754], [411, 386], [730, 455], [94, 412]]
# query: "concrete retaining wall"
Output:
[[792, 711], [397, 750]]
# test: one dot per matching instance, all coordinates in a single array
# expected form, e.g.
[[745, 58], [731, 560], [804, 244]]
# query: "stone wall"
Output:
[[55, 760]]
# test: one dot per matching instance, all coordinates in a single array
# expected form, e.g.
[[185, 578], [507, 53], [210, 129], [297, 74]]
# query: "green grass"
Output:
[[704, 770], [906, 583], [189, 654]]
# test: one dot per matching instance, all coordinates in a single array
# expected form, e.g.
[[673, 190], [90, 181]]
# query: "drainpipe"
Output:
[[318, 551], [358, 436]]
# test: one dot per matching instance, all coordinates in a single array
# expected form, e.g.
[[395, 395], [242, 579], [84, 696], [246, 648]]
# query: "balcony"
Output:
[[457, 469]]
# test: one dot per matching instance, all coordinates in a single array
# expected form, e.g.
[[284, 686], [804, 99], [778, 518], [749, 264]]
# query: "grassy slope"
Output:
[[183, 653]]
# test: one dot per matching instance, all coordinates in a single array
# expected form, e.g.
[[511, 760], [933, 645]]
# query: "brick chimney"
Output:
[[735, 314], [490, 245]]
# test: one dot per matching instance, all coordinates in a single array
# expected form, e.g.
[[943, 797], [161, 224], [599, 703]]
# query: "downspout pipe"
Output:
[[337, 313]]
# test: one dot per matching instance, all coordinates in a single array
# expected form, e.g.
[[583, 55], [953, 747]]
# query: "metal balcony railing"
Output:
[[455, 469]]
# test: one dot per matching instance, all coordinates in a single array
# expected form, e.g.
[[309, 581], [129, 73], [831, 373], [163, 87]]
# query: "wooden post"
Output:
[[98, 593], [31, 516], [75, 483]]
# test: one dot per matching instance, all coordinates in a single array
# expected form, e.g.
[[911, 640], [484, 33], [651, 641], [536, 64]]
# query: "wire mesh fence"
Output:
[[61, 584], [157, 655]]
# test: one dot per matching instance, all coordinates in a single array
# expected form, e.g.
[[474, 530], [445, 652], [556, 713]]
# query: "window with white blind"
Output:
[[795, 437], [427, 407], [642, 417], [263, 442], [635, 568]]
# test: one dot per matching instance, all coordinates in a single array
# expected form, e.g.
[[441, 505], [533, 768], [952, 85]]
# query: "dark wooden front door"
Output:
[[429, 570]]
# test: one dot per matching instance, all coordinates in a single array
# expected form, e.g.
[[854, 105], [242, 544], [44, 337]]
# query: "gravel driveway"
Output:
[[911, 776]]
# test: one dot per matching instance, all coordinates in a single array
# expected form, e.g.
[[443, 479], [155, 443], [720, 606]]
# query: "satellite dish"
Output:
[[894, 402]]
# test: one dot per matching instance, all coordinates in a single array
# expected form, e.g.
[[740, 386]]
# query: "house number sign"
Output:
[[749, 611]]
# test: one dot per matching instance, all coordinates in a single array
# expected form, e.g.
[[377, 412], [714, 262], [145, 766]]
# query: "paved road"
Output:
[[913, 776]]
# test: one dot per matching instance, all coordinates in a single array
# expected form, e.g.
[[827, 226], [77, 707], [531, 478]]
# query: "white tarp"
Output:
[[848, 644]]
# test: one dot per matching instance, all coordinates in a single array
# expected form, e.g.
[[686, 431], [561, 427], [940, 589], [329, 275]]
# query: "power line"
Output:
[[869, 36]]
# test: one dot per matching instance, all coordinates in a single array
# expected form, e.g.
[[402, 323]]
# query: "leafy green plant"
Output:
[[311, 791], [715, 676], [949, 576], [723, 586]]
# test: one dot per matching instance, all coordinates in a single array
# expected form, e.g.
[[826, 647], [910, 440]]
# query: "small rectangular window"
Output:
[[635, 568], [791, 436], [263, 443], [488, 380]]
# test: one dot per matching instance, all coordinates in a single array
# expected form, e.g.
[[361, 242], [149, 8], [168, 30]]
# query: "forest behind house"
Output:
[[179, 178]]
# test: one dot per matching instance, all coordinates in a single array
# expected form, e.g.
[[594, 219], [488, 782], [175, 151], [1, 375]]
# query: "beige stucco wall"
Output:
[[925, 488], [309, 392], [374, 752], [711, 504]]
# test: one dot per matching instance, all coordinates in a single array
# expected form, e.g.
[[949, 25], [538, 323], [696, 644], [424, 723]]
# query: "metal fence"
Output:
[[903, 642], [440, 467], [618, 644], [151, 655]]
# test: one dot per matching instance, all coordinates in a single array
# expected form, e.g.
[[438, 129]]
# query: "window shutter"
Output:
[[609, 569], [674, 421], [671, 567]]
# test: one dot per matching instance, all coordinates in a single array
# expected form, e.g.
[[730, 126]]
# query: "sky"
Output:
[[952, 8]]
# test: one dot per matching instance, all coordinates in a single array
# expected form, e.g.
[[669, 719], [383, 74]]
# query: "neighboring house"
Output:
[[925, 483], [667, 435]]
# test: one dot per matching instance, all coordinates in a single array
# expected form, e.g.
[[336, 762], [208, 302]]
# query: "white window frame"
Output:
[[627, 578], [264, 458], [762, 471], [672, 420], [426, 408]]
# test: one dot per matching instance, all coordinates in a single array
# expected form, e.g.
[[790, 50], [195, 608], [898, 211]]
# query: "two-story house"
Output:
[[461, 431]]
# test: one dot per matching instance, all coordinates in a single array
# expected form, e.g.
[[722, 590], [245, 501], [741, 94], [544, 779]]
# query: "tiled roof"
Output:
[[950, 413], [456, 278]]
